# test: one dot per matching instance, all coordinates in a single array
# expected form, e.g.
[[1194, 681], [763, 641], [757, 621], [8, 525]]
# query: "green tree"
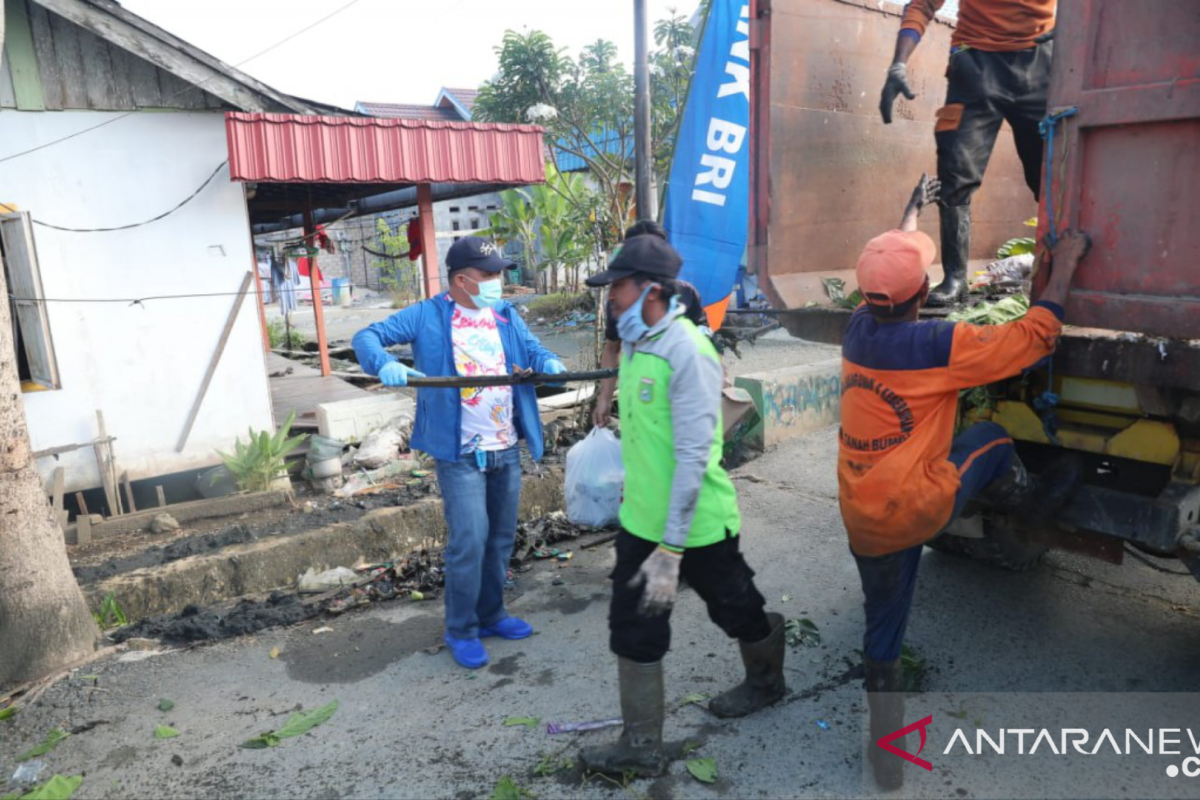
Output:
[[399, 274], [586, 107], [516, 221]]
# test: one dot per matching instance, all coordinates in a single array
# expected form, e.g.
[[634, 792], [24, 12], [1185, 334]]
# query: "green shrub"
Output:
[[557, 306], [258, 463], [282, 338]]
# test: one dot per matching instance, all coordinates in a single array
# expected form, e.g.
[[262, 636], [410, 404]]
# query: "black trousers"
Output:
[[984, 90], [719, 575]]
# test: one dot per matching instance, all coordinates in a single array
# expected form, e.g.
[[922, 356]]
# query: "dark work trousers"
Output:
[[719, 575], [985, 89], [982, 453]]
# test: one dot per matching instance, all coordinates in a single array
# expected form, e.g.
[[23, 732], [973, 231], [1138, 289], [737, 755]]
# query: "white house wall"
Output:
[[142, 365]]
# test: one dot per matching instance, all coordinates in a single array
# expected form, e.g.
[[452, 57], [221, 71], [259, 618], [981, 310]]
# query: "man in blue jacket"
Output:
[[472, 433]]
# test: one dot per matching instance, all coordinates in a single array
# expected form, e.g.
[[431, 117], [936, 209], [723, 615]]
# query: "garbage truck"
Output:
[[1123, 388]]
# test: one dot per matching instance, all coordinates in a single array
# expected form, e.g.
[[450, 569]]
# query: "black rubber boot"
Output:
[[640, 748], [1036, 499], [764, 683], [956, 250], [885, 697]]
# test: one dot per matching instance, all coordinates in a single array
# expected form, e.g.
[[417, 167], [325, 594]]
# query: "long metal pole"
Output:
[[647, 198]]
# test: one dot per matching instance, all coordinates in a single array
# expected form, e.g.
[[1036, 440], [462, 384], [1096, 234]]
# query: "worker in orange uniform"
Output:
[[999, 70], [902, 474]]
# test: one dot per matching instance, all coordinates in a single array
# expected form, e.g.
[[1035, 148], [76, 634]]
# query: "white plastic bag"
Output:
[[595, 479]]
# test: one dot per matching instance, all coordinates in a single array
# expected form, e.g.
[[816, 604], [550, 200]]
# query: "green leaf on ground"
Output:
[[304, 721], [165, 704], [507, 790], [165, 732], [529, 722], [57, 788], [8, 713], [49, 743], [262, 742], [692, 699], [703, 769], [802, 631], [298, 724]]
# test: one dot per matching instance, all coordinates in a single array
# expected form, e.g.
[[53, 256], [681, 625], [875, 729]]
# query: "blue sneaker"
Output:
[[507, 628], [468, 653]]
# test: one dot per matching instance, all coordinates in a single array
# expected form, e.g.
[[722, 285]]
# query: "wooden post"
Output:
[[104, 462], [162, 497], [429, 254], [310, 237], [83, 529], [258, 292], [79, 501], [128, 492], [212, 363]]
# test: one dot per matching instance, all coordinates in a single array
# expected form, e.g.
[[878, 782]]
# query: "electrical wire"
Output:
[[156, 218], [192, 87], [139, 300]]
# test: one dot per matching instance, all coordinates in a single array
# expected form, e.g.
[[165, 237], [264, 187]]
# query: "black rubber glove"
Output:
[[896, 83]]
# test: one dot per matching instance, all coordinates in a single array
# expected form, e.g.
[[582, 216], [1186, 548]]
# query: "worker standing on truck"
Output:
[[679, 514], [472, 433], [610, 356], [902, 474], [999, 70]]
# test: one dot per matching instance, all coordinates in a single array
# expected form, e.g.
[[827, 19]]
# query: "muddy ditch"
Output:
[[418, 575], [122, 553]]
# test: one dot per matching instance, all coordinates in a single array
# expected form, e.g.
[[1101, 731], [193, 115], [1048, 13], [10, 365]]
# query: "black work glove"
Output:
[[926, 192], [896, 83]]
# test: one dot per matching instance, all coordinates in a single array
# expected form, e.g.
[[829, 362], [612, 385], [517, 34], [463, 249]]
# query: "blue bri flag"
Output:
[[708, 194]]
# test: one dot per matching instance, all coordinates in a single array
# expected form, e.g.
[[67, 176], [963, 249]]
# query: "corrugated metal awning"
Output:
[[289, 148]]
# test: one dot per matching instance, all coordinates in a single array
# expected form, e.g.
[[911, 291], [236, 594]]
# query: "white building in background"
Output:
[[69, 67]]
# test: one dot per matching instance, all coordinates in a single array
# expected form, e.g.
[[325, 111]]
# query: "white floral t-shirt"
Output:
[[487, 412]]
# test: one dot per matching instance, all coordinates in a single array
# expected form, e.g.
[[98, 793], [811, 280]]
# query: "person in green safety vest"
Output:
[[679, 515]]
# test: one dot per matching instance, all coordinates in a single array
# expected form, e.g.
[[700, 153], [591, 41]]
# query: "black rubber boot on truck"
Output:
[[640, 748], [764, 683], [1036, 498], [956, 250], [885, 698]]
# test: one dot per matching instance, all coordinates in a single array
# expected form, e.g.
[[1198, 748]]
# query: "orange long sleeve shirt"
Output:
[[900, 384], [993, 25]]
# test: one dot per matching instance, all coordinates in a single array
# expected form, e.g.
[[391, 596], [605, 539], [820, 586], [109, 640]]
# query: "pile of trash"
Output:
[[374, 464]]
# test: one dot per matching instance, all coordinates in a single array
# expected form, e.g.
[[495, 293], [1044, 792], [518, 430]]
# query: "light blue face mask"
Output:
[[630, 325], [489, 293]]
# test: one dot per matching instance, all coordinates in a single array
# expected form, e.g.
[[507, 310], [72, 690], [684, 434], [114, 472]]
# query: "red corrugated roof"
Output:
[[289, 148]]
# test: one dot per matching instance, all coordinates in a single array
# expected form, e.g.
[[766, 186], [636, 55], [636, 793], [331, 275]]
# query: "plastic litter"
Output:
[[382, 446], [313, 583], [572, 727], [29, 772], [823, 725], [595, 479], [1009, 271]]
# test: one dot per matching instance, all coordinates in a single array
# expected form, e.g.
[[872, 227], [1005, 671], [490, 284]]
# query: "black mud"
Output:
[[197, 623]]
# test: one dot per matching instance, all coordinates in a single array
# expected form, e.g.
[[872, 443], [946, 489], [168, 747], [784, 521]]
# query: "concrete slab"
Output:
[[793, 401], [275, 563], [351, 420]]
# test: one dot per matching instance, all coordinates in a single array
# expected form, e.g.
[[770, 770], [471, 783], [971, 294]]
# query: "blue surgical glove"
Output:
[[554, 367], [396, 374]]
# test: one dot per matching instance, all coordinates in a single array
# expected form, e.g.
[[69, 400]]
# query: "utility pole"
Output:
[[647, 198]]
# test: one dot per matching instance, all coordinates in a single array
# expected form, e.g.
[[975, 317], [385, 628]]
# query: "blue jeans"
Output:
[[982, 454], [480, 503]]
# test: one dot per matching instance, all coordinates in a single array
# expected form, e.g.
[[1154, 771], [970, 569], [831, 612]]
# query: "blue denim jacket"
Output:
[[426, 325]]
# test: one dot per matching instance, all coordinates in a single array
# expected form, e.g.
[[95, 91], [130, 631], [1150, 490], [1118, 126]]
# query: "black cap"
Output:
[[646, 255], [473, 251]]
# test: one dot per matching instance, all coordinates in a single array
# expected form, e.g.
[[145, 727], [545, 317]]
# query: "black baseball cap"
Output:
[[645, 255], [477, 252]]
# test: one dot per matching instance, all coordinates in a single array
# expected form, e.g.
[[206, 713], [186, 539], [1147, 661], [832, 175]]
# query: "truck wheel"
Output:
[[1000, 546]]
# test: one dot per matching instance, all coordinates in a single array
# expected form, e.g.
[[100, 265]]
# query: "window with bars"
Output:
[[36, 363]]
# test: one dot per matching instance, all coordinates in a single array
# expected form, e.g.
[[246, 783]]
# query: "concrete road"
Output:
[[415, 725]]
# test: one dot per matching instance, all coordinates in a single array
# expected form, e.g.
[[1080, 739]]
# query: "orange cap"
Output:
[[891, 269]]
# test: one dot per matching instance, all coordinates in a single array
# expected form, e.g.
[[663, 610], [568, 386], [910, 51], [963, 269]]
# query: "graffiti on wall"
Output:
[[805, 396]]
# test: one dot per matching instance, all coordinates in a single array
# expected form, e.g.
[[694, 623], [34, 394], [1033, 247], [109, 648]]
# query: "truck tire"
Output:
[[1000, 546]]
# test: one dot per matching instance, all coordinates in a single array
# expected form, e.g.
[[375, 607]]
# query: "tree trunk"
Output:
[[44, 620]]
